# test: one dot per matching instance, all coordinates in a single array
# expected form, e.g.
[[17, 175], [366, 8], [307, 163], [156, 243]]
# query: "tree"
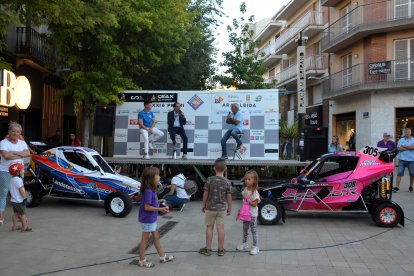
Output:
[[244, 68], [196, 66]]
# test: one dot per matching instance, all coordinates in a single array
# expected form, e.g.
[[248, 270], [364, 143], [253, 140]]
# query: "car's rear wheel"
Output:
[[33, 195], [270, 212], [118, 204], [386, 215]]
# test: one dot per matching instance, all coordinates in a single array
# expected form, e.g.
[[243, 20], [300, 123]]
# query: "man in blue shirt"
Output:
[[235, 122], [405, 158], [149, 132]]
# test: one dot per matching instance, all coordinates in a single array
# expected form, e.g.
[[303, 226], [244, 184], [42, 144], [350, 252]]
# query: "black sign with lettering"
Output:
[[152, 97], [381, 67], [313, 116]]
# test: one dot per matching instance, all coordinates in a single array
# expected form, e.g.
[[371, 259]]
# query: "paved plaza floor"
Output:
[[72, 238]]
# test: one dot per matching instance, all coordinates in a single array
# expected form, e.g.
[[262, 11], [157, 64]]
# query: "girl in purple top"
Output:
[[147, 216]]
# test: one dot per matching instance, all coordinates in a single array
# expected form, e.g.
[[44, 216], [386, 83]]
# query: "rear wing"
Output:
[[382, 154]]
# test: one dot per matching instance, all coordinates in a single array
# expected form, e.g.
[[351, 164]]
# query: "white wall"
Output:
[[381, 106]]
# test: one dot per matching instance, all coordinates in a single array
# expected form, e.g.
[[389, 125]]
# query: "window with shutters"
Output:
[[404, 59], [347, 70], [403, 8]]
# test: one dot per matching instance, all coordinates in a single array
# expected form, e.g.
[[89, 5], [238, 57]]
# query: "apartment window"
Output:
[[291, 101], [404, 59], [403, 8], [346, 18], [347, 70]]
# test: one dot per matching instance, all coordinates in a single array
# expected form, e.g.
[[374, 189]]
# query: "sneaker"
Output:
[[182, 207], [410, 189], [185, 156], [205, 251], [395, 189], [150, 145], [242, 247], [221, 252], [254, 250], [147, 157]]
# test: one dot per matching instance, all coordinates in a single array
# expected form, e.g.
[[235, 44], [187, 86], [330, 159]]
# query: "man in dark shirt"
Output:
[[176, 121], [386, 142]]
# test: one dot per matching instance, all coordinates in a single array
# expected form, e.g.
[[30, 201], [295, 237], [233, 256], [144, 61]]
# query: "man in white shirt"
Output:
[[177, 196]]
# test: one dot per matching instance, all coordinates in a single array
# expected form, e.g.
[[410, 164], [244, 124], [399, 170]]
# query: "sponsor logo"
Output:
[[132, 148], [137, 98], [195, 102], [245, 122], [255, 111], [133, 122], [247, 97], [256, 138], [271, 110], [369, 163], [123, 111], [218, 99], [258, 98], [215, 122], [214, 150], [241, 105], [67, 187], [120, 135], [200, 135], [221, 112]]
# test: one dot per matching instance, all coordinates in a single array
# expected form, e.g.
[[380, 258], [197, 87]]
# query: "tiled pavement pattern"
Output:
[[79, 239]]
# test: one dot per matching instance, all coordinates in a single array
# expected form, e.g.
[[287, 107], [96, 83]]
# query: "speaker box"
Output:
[[104, 121]]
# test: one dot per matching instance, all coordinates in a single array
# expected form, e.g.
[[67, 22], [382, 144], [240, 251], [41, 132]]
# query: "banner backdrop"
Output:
[[206, 113]]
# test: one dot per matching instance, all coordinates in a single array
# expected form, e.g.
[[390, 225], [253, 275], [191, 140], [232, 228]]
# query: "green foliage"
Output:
[[289, 131], [196, 66], [244, 68]]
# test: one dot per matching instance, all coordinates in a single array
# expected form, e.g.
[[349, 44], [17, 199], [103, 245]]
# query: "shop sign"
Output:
[[313, 116], [381, 67], [301, 80], [14, 91]]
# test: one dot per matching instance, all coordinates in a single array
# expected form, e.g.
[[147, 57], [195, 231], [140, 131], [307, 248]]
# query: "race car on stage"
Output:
[[80, 173], [337, 182]]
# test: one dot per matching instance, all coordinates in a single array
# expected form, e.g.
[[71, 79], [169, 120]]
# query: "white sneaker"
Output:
[[185, 156], [151, 145], [254, 250], [147, 157], [242, 247]]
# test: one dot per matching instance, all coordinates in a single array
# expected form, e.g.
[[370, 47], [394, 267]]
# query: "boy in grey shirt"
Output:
[[217, 194]]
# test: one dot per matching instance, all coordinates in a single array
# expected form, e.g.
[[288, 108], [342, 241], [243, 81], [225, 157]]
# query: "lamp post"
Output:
[[301, 85]]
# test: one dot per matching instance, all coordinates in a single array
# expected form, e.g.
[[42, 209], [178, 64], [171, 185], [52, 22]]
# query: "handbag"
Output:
[[244, 213]]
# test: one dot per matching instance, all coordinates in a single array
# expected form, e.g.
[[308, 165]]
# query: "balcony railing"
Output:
[[314, 62], [309, 18], [358, 77], [268, 50], [376, 16], [31, 43]]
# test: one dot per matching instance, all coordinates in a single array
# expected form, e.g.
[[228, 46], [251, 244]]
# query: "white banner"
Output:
[[301, 80]]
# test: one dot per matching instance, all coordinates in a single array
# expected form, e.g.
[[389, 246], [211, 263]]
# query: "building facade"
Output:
[[29, 55], [371, 82], [278, 40]]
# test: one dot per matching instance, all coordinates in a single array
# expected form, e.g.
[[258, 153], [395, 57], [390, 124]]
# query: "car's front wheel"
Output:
[[118, 204], [386, 215], [33, 195], [270, 211]]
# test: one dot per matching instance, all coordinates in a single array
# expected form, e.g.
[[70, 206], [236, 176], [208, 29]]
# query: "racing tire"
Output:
[[33, 195], [386, 215], [199, 187], [118, 204], [270, 212]]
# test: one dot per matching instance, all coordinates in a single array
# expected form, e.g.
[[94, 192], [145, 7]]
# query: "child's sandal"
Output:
[[166, 258], [145, 263], [14, 228], [27, 230]]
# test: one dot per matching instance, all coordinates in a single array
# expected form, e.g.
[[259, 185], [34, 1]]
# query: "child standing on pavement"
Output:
[[217, 192], [148, 212], [250, 193], [18, 197]]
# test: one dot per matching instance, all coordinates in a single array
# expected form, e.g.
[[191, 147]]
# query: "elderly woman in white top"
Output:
[[12, 149]]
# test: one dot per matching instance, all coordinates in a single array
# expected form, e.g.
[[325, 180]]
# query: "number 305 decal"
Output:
[[373, 151]]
